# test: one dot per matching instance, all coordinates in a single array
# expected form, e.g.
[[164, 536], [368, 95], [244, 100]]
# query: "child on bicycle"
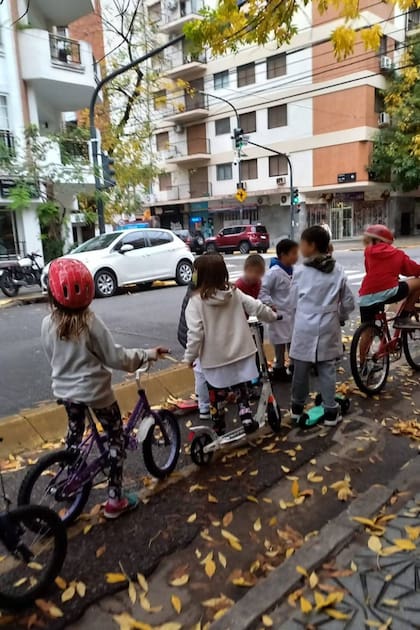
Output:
[[219, 335], [324, 300], [250, 281], [381, 285], [278, 290], [81, 349]]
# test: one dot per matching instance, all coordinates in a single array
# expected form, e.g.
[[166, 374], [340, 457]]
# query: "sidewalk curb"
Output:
[[31, 428], [334, 536], [23, 300]]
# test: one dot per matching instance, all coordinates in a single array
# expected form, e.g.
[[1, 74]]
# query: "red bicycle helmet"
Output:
[[380, 232], [70, 283]]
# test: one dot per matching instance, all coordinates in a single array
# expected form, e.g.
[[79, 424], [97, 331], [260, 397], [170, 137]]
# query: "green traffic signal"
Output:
[[108, 171], [295, 197]]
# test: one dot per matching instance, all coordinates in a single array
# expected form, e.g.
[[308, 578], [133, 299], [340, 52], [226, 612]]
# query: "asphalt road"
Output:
[[139, 319]]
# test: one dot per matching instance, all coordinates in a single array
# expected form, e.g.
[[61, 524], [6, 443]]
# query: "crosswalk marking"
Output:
[[352, 276]]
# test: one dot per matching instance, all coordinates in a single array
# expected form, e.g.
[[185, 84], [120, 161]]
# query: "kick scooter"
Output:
[[205, 441], [315, 415]]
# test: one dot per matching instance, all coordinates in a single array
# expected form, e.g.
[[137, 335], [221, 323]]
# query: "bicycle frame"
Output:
[[388, 344]]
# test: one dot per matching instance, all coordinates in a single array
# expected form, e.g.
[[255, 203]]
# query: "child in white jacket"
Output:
[[219, 335], [278, 290]]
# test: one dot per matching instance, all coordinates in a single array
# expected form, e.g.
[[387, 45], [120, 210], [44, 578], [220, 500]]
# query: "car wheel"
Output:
[[244, 247], [105, 283], [183, 272]]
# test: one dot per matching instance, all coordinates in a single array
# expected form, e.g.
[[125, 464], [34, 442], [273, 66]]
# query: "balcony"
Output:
[[413, 21], [180, 13], [195, 152], [7, 146], [61, 11], [186, 66], [60, 70], [74, 151], [183, 192], [189, 108]]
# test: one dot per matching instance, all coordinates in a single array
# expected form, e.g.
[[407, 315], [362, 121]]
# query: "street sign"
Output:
[[241, 195], [344, 178]]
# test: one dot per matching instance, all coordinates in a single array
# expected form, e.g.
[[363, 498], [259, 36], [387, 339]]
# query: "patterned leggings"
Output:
[[111, 421], [218, 400]]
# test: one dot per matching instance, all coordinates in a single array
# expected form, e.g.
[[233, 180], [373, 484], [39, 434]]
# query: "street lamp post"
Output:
[[260, 146], [93, 132]]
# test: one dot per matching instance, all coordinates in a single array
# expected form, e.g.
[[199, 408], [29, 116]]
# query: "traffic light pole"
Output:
[[93, 132], [289, 162]]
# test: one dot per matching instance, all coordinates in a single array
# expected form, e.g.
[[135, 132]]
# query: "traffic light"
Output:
[[238, 138], [108, 171], [295, 197]]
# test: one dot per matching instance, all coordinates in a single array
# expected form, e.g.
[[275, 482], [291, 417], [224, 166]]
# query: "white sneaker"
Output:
[[204, 417], [332, 422]]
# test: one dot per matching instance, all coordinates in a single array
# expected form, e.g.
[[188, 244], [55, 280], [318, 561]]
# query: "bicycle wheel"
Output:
[[411, 347], [53, 481], [31, 560], [370, 375], [162, 445]]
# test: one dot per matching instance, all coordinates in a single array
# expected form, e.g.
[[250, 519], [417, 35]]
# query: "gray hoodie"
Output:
[[80, 368], [218, 332]]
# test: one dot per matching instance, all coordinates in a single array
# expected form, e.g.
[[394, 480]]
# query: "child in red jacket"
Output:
[[381, 285]]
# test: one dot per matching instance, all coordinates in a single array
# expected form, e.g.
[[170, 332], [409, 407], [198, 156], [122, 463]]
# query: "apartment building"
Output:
[[297, 100], [47, 72]]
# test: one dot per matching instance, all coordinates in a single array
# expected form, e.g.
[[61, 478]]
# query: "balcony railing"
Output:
[[74, 151], [413, 19], [65, 50], [7, 145], [185, 191], [191, 148], [186, 8]]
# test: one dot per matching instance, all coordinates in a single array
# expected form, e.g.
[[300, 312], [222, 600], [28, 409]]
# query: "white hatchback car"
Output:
[[137, 256]]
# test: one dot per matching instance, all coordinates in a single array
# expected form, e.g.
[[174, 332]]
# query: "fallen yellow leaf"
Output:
[[252, 498], [61, 583], [87, 528], [81, 589], [336, 614], [374, 544], [35, 566], [176, 604], [267, 621], [55, 612], [227, 519], [68, 594], [295, 489], [181, 581], [285, 469], [233, 540], [100, 551], [132, 593], [210, 568], [413, 532], [390, 602], [114, 578], [313, 580], [405, 544], [222, 559], [192, 518], [212, 499], [305, 605], [257, 525], [302, 570], [142, 582], [314, 478]]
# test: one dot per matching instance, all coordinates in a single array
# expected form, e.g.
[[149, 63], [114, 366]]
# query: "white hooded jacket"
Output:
[[218, 332]]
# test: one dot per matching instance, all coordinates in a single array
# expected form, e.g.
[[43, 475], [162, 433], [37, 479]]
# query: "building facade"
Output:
[[47, 72], [297, 100]]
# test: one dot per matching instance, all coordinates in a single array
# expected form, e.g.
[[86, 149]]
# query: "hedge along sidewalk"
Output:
[[32, 428]]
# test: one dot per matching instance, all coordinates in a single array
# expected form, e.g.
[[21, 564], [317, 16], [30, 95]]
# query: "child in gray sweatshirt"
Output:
[[81, 350]]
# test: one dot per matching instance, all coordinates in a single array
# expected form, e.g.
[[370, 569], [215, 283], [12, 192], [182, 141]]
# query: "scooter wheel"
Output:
[[345, 405], [274, 417], [303, 421], [318, 400], [199, 457]]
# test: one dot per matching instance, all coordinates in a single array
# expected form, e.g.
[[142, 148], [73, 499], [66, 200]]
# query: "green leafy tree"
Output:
[[396, 148], [231, 24]]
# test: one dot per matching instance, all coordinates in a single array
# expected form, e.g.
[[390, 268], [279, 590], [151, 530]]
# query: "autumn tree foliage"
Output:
[[396, 148], [234, 23]]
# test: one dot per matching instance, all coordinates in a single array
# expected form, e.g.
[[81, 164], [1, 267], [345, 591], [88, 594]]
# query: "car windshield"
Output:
[[98, 242]]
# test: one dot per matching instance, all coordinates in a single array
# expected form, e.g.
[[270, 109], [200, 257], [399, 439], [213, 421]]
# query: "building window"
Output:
[[379, 101], [165, 181], [221, 80], [4, 118], [222, 126], [248, 122], [162, 141], [249, 169], [277, 116], [155, 13], [246, 74], [276, 66], [159, 99], [277, 165], [224, 172]]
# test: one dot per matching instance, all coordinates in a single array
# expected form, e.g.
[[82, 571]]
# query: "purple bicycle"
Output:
[[63, 479]]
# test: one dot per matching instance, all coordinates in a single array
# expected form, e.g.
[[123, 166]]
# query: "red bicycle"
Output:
[[373, 348]]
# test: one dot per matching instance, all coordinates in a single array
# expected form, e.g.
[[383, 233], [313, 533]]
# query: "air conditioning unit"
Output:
[[281, 181], [150, 198], [385, 63], [179, 129], [384, 119], [284, 200], [244, 185], [172, 4]]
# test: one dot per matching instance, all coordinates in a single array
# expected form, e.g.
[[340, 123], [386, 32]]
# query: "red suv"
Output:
[[242, 237]]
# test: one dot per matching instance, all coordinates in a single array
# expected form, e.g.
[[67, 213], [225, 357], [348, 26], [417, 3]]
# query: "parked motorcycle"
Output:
[[20, 272]]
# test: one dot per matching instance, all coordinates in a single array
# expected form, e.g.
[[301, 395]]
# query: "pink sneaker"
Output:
[[126, 504]]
